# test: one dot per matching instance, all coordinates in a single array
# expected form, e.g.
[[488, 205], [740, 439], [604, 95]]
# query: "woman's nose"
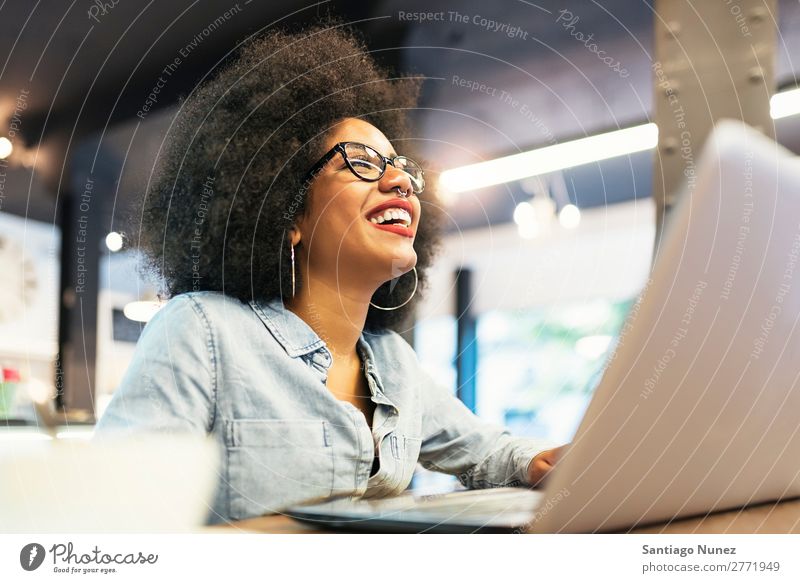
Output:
[[393, 179]]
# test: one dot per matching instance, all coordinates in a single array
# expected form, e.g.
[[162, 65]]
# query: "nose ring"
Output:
[[401, 192]]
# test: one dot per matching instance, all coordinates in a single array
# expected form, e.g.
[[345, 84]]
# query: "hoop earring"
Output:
[[292, 247], [416, 281]]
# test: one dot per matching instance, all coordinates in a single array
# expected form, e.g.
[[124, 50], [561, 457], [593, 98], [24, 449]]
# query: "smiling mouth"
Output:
[[391, 216], [394, 220]]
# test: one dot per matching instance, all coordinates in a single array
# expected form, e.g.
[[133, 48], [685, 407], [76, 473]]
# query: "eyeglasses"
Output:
[[369, 164]]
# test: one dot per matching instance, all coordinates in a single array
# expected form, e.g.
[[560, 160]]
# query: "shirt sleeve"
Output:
[[170, 384], [455, 441]]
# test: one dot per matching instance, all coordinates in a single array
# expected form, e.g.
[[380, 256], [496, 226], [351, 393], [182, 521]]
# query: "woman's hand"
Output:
[[542, 463]]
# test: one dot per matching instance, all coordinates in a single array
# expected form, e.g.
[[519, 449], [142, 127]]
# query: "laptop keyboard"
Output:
[[480, 502], [491, 510]]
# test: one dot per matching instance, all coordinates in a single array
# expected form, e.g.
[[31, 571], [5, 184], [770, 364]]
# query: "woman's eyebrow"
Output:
[[392, 154]]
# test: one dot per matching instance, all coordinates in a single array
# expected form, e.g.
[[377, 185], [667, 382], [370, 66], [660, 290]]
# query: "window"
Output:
[[538, 367]]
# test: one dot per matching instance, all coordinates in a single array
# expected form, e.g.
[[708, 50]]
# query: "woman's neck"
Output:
[[336, 314]]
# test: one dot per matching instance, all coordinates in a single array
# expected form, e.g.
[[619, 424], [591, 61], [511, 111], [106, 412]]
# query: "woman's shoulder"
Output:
[[203, 302], [222, 320], [199, 309]]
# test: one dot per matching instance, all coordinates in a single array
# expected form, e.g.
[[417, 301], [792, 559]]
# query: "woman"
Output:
[[294, 235]]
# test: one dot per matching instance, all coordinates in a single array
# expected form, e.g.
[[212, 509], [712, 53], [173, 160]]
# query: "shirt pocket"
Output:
[[411, 447], [275, 463]]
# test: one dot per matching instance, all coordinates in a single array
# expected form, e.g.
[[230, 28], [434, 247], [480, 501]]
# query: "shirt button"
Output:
[[321, 357]]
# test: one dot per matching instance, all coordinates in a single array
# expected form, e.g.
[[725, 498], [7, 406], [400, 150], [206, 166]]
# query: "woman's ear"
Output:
[[294, 236]]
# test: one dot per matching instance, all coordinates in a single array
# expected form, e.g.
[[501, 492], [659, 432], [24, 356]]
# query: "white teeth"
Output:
[[393, 214]]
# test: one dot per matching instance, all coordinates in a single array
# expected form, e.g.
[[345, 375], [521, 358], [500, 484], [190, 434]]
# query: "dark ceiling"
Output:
[[84, 69]]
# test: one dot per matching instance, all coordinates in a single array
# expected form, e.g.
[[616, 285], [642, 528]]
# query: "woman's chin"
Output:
[[401, 263], [395, 258]]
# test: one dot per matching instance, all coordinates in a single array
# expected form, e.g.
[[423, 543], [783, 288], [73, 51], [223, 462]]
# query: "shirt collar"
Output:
[[299, 339], [289, 329], [368, 358]]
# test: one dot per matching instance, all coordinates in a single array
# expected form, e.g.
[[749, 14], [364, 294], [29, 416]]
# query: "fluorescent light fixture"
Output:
[[551, 158], [141, 311], [5, 147], [577, 152], [784, 104]]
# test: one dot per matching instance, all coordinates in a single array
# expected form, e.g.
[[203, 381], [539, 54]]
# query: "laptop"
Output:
[[696, 411]]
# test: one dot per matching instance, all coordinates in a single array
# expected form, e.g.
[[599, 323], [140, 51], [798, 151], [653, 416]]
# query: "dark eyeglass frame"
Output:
[[341, 148]]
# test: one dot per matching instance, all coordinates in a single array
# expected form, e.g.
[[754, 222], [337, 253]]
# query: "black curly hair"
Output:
[[230, 182]]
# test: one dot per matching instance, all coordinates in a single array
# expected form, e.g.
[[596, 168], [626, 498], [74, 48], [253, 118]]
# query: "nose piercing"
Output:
[[401, 192]]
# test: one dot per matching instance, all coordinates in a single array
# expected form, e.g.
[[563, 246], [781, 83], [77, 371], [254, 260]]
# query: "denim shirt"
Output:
[[253, 375]]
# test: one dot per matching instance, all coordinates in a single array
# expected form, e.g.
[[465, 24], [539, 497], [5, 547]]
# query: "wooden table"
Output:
[[770, 518]]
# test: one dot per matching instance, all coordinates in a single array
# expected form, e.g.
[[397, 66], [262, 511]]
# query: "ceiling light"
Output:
[[570, 216], [524, 213], [534, 218], [551, 158], [141, 311], [784, 104], [114, 241], [5, 147]]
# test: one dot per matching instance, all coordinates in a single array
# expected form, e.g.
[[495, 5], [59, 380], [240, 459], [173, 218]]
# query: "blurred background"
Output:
[[539, 267]]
